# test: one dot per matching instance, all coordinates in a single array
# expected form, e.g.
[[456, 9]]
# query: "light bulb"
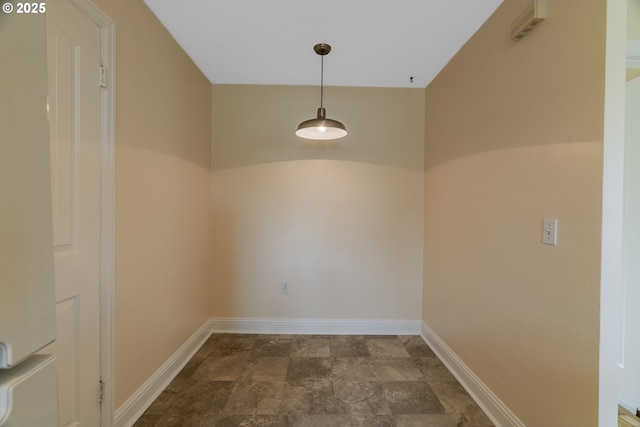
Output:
[[322, 129]]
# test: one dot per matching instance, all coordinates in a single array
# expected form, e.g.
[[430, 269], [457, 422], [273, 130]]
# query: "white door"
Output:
[[629, 389], [26, 262], [73, 46]]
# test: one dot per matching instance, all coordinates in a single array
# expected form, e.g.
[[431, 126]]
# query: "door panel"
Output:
[[73, 45], [67, 346], [26, 261], [63, 60]]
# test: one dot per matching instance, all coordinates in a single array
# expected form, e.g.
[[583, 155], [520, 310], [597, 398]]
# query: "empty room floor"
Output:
[[314, 381]]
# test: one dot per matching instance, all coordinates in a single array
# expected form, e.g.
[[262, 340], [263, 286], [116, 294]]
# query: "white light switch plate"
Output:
[[550, 231]]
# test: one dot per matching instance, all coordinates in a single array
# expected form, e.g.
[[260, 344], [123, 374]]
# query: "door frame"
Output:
[[107, 203], [631, 406], [612, 205]]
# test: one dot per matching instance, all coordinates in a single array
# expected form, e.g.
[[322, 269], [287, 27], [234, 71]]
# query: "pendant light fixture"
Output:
[[321, 127]]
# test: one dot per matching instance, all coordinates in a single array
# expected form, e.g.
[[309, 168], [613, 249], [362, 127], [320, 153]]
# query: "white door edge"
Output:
[[107, 203]]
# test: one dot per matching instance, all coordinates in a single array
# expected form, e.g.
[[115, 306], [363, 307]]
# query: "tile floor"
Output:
[[314, 381]]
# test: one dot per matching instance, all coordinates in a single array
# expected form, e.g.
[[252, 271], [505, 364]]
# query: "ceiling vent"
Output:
[[535, 13]]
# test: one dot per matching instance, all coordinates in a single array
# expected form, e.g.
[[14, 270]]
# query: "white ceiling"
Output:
[[376, 43]]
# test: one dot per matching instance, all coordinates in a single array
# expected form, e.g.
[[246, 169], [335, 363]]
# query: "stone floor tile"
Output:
[[305, 420], [416, 347], [272, 346], [172, 420], [219, 345], [349, 348], [475, 418], [340, 421], [311, 397], [434, 370], [362, 398], [397, 369], [314, 381], [411, 397], [250, 421], [199, 420], [353, 369], [163, 403], [267, 369], [225, 368], [255, 398], [202, 397], [453, 396], [366, 421], [183, 420], [181, 381], [308, 368], [311, 347], [424, 420], [386, 348], [147, 420], [192, 366]]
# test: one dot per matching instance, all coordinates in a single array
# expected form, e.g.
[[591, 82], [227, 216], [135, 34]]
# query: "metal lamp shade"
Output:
[[321, 128]]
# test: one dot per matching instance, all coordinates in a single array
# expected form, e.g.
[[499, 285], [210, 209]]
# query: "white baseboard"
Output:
[[127, 414], [626, 405], [633, 53], [495, 409], [315, 326]]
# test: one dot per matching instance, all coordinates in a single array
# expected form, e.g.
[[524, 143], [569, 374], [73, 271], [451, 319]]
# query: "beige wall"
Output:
[[163, 240], [341, 221], [513, 135]]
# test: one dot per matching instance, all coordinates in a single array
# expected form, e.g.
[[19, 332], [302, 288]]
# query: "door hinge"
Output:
[[102, 389], [103, 77]]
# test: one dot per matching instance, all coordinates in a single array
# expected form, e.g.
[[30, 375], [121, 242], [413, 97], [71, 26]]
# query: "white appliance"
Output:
[[28, 384]]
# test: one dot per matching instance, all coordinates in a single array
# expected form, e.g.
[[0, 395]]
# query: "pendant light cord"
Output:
[[321, 79]]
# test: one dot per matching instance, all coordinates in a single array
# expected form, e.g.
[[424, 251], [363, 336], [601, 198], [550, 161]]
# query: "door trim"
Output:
[[107, 202], [633, 53], [611, 232]]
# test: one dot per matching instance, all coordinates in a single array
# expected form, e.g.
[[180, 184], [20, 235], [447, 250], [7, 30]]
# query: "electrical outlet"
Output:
[[284, 288]]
